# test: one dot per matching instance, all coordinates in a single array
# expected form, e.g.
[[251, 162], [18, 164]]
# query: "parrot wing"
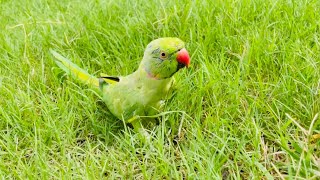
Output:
[[106, 80], [109, 79]]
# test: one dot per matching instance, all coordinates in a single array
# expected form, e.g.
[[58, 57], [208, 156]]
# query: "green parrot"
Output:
[[136, 96]]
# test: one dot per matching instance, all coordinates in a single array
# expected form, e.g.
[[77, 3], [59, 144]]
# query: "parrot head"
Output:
[[164, 56]]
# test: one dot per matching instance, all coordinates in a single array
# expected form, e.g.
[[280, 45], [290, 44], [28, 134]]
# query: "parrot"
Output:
[[137, 97]]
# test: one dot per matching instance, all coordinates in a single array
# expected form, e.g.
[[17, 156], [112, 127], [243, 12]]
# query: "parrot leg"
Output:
[[137, 126], [135, 121]]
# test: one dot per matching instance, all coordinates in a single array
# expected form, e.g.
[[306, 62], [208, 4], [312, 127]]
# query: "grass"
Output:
[[245, 110]]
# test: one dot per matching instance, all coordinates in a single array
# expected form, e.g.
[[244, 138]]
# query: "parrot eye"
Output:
[[163, 55]]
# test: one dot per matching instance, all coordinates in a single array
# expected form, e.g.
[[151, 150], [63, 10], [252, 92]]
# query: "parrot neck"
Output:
[[150, 75], [146, 72], [146, 69]]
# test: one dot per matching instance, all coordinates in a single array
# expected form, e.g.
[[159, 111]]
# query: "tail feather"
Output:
[[75, 70]]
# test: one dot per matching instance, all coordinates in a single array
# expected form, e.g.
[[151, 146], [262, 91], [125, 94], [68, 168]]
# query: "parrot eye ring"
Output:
[[163, 55]]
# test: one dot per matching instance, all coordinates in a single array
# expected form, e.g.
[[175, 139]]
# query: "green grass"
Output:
[[245, 110]]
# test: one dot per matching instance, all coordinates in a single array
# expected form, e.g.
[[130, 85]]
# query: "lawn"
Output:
[[246, 109]]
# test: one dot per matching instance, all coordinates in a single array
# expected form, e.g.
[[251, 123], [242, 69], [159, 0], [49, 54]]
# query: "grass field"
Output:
[[246, 109]]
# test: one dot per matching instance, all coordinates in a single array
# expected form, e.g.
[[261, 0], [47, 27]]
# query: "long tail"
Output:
[[75, 70]]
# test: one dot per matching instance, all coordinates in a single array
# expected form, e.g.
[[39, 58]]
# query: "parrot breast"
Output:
[[136, 95]]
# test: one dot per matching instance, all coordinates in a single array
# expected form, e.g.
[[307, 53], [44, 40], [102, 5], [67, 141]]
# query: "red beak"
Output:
[[183, 57]]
